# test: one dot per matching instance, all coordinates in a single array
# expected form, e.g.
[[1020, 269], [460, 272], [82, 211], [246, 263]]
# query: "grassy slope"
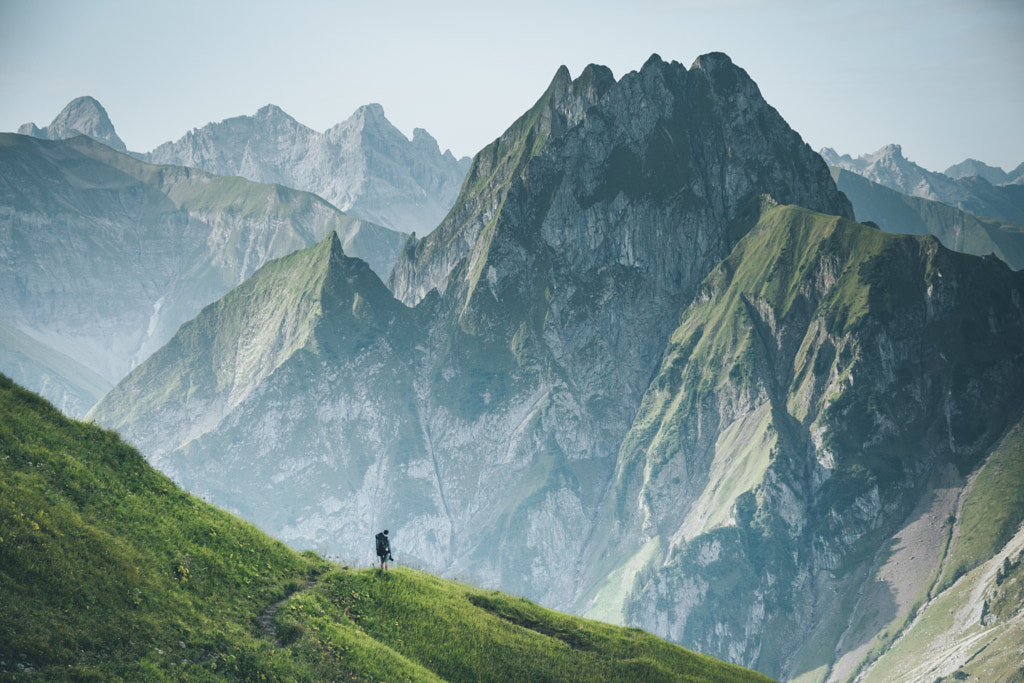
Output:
[[247, 333], [482, 635], [993, 511], [107, 569], [110, 572]]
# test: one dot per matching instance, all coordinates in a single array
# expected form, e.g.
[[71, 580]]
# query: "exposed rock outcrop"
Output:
[[82, 116], [364, 165]]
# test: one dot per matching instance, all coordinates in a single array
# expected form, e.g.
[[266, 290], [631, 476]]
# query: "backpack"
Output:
[[382, 544]]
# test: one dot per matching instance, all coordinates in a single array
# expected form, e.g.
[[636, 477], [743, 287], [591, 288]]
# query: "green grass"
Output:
[[393, 619], [614, 591], [109, 572], [993, 510], [108, 569]]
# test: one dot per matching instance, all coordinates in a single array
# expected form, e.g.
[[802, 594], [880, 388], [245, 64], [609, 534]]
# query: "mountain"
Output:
[[808, 440], [972, 167], [649, 370], [972, 628], [82, 116], [960, 231], [105, 256], [973, 194], [1017, 175], [485, 420], [108, 571], [364, 165]]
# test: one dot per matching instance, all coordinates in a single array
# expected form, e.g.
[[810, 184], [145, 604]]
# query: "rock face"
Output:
[[827, 382], [364, 166], [973, 194], [627, 375], [82, 116], [103, 256], [580, 237], [958, 230]]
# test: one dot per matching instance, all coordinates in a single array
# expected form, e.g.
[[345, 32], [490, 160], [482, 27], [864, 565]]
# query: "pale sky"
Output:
[[943, 78]]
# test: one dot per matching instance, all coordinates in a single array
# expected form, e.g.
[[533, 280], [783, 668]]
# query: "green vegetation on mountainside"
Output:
[[247, 334], [993, 511], [493, 167], [817, 339], [108, 571], [484, 635], [746, 301], [501, 167]]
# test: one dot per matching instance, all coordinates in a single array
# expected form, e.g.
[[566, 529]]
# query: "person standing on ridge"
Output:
[[384, 549]]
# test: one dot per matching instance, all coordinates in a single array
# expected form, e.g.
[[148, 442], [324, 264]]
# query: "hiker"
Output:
[[384, 549]]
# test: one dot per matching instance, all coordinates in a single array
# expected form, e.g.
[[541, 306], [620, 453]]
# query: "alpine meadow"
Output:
[[661, 394]]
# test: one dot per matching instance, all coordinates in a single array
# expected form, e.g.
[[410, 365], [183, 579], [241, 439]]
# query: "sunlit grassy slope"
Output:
[[110, 572]]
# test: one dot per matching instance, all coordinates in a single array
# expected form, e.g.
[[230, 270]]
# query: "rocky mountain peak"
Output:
[[658, 131], [891, 151], [272, 112], [425, 141], [82, 116], [366, 127], [972, 167], [372, 111], [363, 165], [710, 63]]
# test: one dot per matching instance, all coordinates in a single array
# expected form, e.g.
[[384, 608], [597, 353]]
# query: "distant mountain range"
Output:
[[647, 369], [82, 116], [364, 166], [135, 299], [969, 189], [993, 174], [104, 256], [958, 230]]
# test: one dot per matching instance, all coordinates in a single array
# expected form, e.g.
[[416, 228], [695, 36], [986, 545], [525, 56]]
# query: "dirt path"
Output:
[[265, 622]]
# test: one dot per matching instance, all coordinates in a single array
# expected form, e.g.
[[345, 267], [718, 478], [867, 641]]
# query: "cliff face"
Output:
[[364, 165], [828, 382]]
